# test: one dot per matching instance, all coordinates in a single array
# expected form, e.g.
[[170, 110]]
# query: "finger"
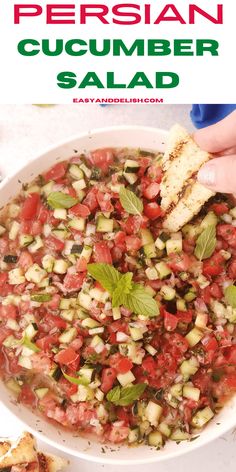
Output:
[[219, 174], [218, 137]]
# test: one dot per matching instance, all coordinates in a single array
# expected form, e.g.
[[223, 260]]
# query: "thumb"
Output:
[[219, 174]]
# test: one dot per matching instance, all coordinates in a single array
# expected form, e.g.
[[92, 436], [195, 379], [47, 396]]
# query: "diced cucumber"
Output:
[[13, 210], [68, 335], [181, 304], [90, 323], [10, 342], [35, 274], [96, 341], [67, 315], [179, 435], [13, 386], [150, 349], [146, 237], [77, 223], [194, 336], [25, 240], [67, 303], [153, 412], [160, 244], [184, 276], [133, 435], [174, 245], [80, 195], [25, 362], [162, 270], [14, 230], [47, 189], [96, 294], [202, 417], [55, 372], [189, 367], [233, 212], [202, 281], [86, 373], [98, 330], [86, 252], [2, 230], [136, 333], [16, 277], [76, 172], [60, 266], [104, 225], [190, 231], [126, 379], [84, 393], [164, 428], [48, 263], [60, 214], [99, 395], [201, 320], [79, 185], [130, 177], [168, 293], [150, 250], [191, 392], [131, 166], [32, 189], [190, 295], [86, 170], [116, 313], [84, 300], [31, 331], [151, 273], [176, 390], [209, 220], [155, 439], [35, 245], [41, 392], [12, 324]]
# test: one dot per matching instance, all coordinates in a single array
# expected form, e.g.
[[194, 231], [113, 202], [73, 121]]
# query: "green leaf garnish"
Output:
[[230, 295], [106, 275], [41, 297], [123, 291], [27, 343], [124, 396], [130, 202], [76, 380], [61, 200], [206, 243]]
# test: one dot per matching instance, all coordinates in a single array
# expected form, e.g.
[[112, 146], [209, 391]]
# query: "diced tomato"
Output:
[[231, 381], [30, 206], [230, 354], [67, 357], [210, 343], [152, 210], [179, 262], [104, 200], [118, 433], [102, 158], [149, 366], [120, 363], [54, 244], [151, 191], [91, 199], [119, 239], [170, 321], [155, 173], [12, 365], [131, 225], [228, 233], [214, 265], [43, 214], [201, 380], [184, 316], [81, 264], [219, 208], [73, 282], [80, 210], [133, 243], [232, 269], [47, 342], [56, 172], [67, 387], [8, 312], [102, 253], [26, 395], [52, 321], [108, 378], [4, 333]]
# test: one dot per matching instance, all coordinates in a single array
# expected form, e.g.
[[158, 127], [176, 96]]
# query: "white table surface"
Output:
[[24, 132]]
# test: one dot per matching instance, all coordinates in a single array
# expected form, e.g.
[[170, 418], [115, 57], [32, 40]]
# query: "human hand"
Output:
[[219, 174]]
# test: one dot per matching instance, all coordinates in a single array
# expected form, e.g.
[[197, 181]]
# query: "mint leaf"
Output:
[[141, 302], [61, 200], [41, 297], [76, 380], [206, 243], [230, 295], [106, 275], [130, 202], [124, 286], [124, 396]]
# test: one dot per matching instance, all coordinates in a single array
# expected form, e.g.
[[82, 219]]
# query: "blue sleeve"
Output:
[[205, 115]]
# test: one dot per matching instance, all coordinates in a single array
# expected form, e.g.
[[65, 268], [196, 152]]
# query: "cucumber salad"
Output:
[[110, 325]]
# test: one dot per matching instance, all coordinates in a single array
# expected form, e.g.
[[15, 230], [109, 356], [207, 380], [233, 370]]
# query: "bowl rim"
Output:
[[41, 436]]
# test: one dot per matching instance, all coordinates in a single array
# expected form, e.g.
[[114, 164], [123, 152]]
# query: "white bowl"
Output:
[[130, 136]]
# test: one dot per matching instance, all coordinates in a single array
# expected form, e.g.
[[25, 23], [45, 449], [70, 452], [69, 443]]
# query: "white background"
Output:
[[26, 131], [204, 79]]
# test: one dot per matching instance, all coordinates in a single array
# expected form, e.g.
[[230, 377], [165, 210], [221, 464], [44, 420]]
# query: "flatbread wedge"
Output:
[[181, 195], [51, 463]]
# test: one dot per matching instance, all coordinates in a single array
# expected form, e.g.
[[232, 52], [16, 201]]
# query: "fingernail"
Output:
[[207, 175]]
